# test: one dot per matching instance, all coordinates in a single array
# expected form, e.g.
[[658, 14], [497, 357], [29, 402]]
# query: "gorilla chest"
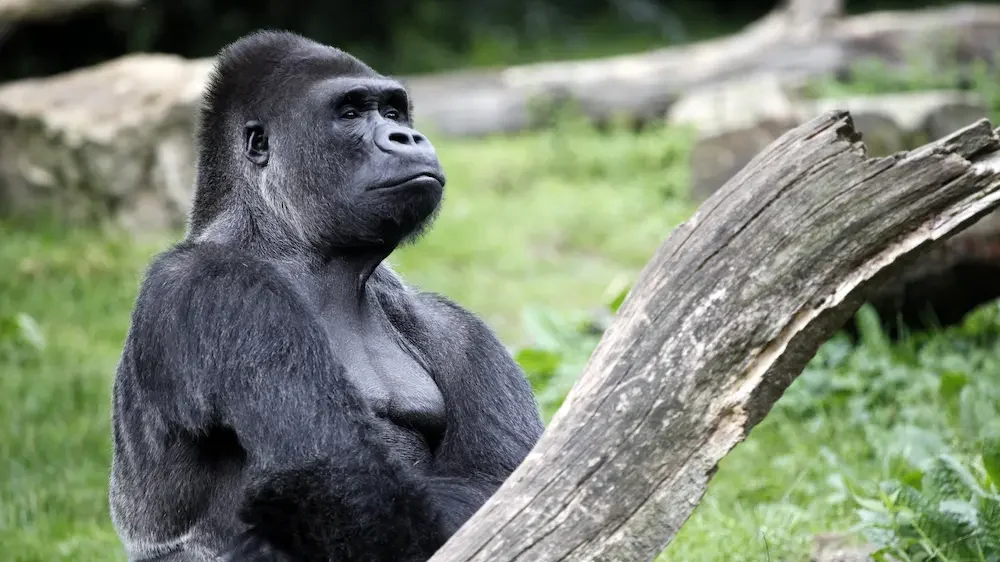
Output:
[[387, 376]]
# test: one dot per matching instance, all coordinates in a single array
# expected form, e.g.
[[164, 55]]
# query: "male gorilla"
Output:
[[282, 395]]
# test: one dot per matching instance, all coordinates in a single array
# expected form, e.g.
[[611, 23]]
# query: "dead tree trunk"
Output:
[[721, 321]]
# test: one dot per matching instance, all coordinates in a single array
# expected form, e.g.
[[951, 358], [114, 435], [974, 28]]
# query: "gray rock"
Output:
[[110, 141]]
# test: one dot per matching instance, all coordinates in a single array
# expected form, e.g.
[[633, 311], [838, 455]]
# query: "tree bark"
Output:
[[804, 38], [723, 318]]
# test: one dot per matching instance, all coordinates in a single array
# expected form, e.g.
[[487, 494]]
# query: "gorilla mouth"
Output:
[[421, 179]]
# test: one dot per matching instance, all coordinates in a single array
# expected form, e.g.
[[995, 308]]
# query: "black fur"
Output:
[[282, 395]]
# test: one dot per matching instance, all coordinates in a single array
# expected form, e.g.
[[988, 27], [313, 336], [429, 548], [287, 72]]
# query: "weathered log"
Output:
[[722, 319], [644, 85]]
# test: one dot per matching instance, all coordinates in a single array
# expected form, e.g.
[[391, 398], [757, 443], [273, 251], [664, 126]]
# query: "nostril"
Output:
[[418, 138], [401, 138]]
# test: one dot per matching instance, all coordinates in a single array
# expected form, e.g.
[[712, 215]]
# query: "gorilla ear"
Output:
[[255, 143]]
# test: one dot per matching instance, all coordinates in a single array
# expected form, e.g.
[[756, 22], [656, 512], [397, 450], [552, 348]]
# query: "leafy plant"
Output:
[[561, 346], [947, 511]]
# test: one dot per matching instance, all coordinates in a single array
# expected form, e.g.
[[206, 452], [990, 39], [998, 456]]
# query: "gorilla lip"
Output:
[[421, 178]]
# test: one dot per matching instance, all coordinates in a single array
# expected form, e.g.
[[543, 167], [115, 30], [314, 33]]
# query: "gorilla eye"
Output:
[[350, 114], [392, 114]]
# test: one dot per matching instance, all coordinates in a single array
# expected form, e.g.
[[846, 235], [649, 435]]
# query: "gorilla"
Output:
[[282, 395]]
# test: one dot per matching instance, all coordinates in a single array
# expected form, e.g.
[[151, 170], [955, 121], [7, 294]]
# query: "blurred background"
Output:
[[576, 135], [396, 36]]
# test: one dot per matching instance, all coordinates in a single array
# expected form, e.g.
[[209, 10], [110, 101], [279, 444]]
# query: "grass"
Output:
[[54, 432], [544, 222]]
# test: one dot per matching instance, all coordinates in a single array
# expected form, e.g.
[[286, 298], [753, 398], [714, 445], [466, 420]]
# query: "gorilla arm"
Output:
[[492, 417], [236, 349]]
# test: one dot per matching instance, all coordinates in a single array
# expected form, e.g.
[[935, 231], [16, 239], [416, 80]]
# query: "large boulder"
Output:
[[110, 141]]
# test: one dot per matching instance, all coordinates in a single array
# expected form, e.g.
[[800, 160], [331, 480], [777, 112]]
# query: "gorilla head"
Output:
[[302, 145]]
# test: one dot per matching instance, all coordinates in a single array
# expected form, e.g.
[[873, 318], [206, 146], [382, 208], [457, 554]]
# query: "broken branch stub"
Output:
[[723, 318]]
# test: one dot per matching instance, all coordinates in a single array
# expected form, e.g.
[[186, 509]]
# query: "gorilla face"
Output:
[[345, 158]]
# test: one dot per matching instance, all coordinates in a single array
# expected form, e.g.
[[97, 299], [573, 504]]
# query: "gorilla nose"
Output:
[[406, 137], [403, 140]]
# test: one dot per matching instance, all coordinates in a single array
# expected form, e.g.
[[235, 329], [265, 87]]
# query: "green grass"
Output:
[[54, 433], [542, 222]]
